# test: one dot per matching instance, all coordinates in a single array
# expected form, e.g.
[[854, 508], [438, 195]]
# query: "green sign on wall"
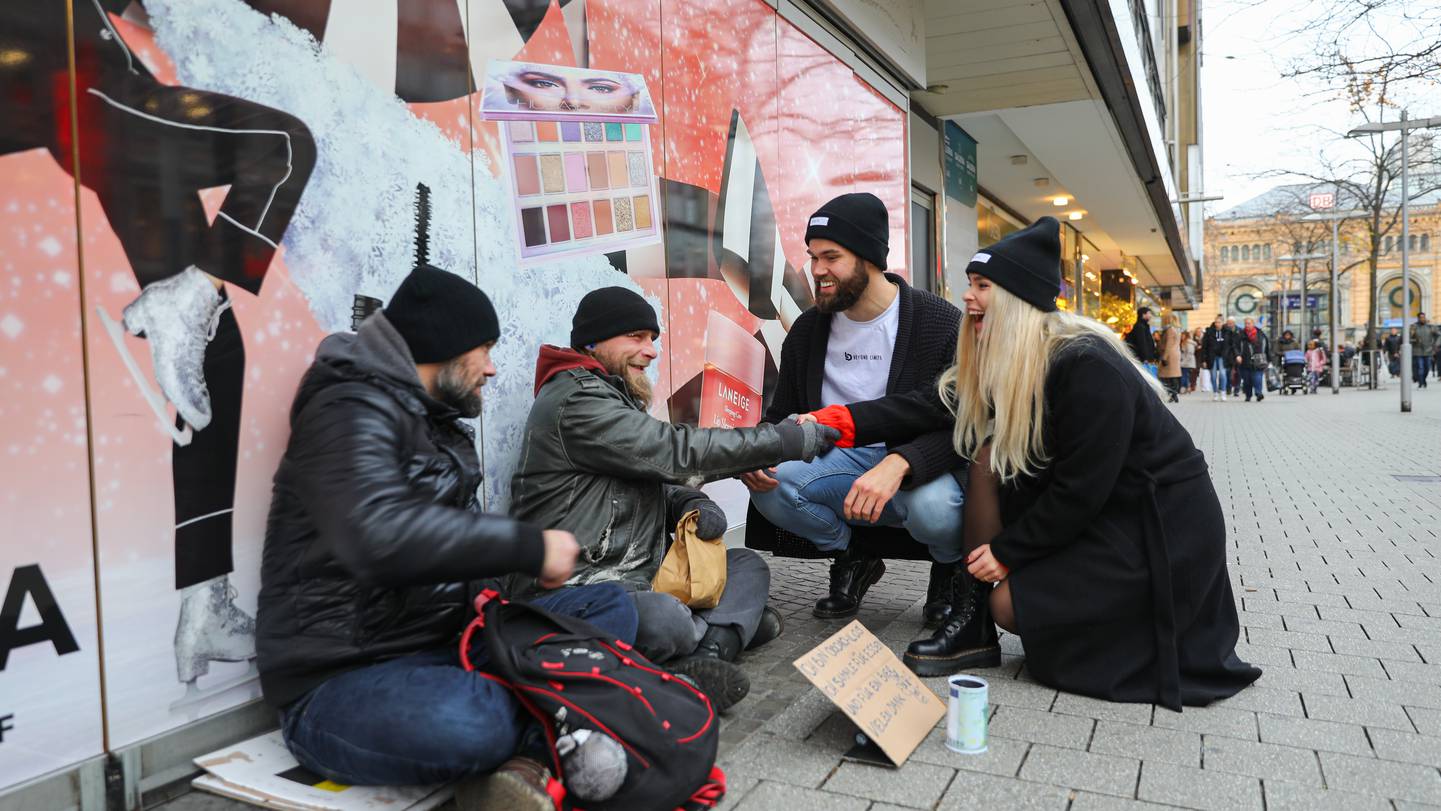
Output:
[[958, 162]]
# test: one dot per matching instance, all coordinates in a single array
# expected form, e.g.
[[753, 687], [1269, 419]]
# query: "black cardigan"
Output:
[[925, 347]]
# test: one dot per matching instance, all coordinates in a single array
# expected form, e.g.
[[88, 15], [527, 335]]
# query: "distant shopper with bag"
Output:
[[595, 463], [1187, 349], [1170, 350], [1142, 342], [1252, 357], [1092, 528]]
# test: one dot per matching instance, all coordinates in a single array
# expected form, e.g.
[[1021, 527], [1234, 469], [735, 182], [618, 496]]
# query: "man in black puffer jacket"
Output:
[[374, 547]]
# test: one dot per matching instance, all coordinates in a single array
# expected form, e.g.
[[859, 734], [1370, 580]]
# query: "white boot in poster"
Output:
[[211, 629]]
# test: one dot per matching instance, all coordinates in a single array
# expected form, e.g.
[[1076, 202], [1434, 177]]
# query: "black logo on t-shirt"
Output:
[[850, 357]]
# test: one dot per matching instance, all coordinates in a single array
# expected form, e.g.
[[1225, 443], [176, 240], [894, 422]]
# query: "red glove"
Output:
[[839, 418]]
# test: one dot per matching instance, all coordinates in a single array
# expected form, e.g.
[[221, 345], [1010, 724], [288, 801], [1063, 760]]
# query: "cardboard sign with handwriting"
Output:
[[859, 674]]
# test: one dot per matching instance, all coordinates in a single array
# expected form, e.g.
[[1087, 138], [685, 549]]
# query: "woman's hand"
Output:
[[984, 567], [875, 488], [802, 419]]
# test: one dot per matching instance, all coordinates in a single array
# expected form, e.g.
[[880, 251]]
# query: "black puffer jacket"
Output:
[[375, 531]]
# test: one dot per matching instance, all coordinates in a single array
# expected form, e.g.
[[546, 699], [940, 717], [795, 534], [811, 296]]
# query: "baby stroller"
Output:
[[1293, 372]]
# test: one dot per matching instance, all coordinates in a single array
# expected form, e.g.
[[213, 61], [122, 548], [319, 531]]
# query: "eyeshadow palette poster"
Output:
[[230, 211]]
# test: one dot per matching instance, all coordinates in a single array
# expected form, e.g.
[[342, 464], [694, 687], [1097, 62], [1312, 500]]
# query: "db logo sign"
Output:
[[1323, 200]]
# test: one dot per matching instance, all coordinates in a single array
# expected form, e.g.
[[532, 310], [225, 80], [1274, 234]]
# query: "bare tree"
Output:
[[1366, 172], [1303, 239], [1398, 39]]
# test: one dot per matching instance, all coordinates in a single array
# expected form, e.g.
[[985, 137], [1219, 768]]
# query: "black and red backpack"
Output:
[[571, 677]]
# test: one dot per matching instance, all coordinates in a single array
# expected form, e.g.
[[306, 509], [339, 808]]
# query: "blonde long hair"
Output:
[[996, 389]]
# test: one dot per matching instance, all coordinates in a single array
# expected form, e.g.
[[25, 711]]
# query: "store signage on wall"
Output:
[[958, 152], [1323, 200]]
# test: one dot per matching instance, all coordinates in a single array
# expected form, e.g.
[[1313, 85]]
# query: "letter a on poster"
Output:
[[859, 674]]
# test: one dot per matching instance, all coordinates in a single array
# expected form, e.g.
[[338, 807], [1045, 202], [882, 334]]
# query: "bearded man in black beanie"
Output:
[[376, 547], [870, 334], [594, 462]]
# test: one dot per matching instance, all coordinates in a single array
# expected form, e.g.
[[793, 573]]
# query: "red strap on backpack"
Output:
[[476, 624], [711, 792]]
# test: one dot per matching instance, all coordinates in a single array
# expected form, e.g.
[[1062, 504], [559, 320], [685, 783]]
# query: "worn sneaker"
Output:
[[520, 784]]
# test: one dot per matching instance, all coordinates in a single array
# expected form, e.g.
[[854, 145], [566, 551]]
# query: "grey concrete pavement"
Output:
[[1333, 508]]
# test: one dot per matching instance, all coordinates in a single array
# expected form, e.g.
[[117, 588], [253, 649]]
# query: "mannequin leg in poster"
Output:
[[147, 150], [198, 355]]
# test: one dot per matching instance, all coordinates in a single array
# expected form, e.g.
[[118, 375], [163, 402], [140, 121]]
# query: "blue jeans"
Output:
[[1421, 369], [1218, 376], [423, 718], [812, 495]]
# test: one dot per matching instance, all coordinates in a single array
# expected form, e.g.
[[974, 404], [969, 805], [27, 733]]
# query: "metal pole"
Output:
[[1335, 307], [1405, 278]]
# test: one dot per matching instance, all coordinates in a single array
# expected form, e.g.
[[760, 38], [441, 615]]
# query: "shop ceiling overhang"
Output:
[[1055, 76]]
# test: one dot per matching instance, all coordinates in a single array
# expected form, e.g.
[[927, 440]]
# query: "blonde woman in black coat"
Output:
[[1092, 527]]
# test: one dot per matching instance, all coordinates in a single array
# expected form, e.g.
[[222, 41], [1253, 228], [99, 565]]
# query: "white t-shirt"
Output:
[[858, 356]]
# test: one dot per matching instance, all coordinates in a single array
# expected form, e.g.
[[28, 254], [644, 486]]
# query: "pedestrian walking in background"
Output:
[[1218, 350], [1286, 343], [1187, 349], [1141, 342], [1392, 345], [1101, 542], [1252, 359], [1423, 346], [1170, 352], [1233, 379], [1315, 364]]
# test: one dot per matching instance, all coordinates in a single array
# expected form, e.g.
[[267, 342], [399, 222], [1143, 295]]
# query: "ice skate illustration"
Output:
[[177, 317], [211, 629]]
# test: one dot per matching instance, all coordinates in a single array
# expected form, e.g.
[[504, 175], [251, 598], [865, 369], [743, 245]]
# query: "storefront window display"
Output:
[[993, 223], [246, 170]]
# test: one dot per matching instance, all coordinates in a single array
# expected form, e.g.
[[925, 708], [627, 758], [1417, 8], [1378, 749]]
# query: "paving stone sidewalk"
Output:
[[1336, 564]]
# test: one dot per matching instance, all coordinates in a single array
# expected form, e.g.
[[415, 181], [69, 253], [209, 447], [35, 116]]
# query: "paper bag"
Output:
[[694, 571]]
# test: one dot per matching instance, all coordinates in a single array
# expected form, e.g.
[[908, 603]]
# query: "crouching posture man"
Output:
[[373, 549], [869, 335], [595, 463]]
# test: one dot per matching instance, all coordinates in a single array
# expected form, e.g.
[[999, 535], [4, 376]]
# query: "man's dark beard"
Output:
[[453, 389], [846, 292]]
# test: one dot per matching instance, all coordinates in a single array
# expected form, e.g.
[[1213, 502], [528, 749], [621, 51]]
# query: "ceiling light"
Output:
[[1085, 257], [1042, 182], [937, 88], [1075, 215], [1018, 160], [1133, 280], [1061, 201], [1090, 275]]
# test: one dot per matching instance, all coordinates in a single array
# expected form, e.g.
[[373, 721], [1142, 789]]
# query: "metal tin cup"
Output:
[[966, 724]]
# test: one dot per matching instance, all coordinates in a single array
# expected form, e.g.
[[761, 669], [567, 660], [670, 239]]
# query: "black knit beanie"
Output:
[[857, 222], [440, 315], [608, 312], [1027, 264]]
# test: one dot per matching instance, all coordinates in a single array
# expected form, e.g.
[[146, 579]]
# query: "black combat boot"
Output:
[[967, 640], [851, 577], [712, 667], [770, 627], [938, 594]]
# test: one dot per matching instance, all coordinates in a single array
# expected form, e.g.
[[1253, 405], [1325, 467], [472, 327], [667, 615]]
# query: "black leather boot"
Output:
[[967, 640], [712, 667], [938, 594], [851, 577], [770, 627]]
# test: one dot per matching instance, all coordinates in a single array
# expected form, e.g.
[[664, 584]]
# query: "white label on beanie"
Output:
[[820, 220], [981, 257]]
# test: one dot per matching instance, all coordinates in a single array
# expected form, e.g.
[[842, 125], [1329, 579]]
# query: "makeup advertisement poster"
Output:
[[239, 171]]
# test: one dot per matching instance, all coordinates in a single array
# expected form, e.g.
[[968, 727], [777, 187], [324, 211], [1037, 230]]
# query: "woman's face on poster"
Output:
[[551, 92]]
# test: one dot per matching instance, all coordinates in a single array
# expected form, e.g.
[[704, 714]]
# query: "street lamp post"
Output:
[[1334, 309], [1405, 125]]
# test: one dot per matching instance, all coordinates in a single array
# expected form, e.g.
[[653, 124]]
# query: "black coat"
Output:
[[1142, 342], [1219, 342], [925, 347], [375, 532], [1255, 354], [1117, 548]]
